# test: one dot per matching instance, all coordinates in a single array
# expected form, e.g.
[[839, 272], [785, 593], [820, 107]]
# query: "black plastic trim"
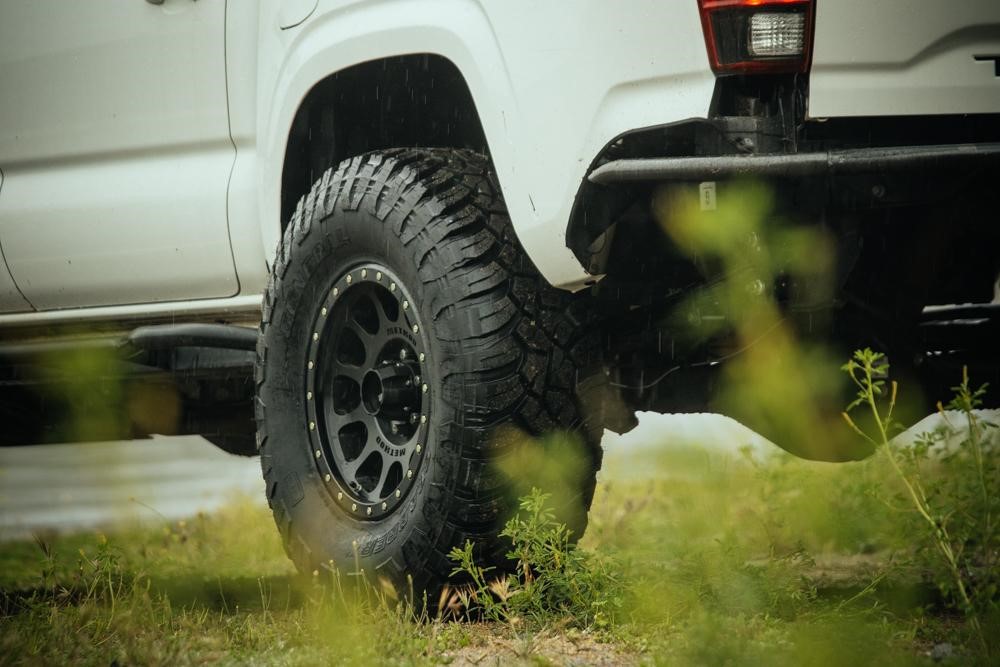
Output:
[[169, 336], [797, 164]]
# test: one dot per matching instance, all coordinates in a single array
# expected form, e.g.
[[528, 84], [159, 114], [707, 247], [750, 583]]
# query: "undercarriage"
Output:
[[865, 233]]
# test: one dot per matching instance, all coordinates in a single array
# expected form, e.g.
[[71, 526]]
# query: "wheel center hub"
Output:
[[390, 390], [371, 392]]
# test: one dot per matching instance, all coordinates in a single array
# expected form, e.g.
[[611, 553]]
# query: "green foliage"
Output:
[[948, 494], [759, 270], [703, 558], [552, 577], [191, 593]]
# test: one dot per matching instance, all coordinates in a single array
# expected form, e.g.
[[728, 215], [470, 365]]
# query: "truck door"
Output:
[[115, 149], [10, 299]]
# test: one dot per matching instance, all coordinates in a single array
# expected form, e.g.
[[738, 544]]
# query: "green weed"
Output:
[[950, 497], [552, 577]]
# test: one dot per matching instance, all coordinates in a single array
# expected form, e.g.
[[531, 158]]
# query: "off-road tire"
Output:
[[509, 359]]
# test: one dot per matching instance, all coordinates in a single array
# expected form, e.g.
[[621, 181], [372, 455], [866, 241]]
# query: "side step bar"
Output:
[[202, 375], [217, 336], [860, 160], [149, 338]]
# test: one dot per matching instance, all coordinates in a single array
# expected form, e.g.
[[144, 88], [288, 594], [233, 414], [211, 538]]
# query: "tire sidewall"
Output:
[[334, 244]]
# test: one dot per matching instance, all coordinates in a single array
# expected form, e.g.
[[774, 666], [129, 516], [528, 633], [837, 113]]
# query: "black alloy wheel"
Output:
[[368, 420]]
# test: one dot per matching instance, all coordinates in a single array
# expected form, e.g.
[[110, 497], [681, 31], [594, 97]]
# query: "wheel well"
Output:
[[418, 100]]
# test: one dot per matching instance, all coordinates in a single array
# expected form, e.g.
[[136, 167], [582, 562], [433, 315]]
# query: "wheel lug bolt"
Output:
[[315, 336], [336, 291], [406, 304], [424, 389], [312, 426], [422, 356], [323, 311], [354, 507], [402, 354], [392, 287], [369, 512], [318, 453], [349, 278], [409, 474], [418, 448], [310, 365], [415, 328], [364, 273], [398, 493], [309, 395], [384, 505], [423, 419], [326, 477], [378, 275], [340, 495], [395, 429]]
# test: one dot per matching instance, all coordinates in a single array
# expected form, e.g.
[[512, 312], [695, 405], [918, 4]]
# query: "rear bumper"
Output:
[[811, 164]]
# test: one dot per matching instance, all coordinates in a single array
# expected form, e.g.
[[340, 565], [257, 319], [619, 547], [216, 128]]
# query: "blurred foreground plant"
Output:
[[766, 280], [953, 493]]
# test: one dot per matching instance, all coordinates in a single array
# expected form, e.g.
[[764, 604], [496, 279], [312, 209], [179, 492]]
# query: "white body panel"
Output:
[[294, 12], [148, 169], [10, 298], [551, 86], [904, 57], [114, 141]]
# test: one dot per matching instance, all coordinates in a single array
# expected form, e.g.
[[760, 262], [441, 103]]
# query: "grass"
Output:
[[713, 559]]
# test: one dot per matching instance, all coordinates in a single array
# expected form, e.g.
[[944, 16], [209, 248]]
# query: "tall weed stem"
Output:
[[865, 369]]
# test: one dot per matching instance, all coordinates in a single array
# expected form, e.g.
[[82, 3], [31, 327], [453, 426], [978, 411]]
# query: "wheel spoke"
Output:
[[380, 337], [367, 338], [337, 421], [372, 342], [383, 316], [386, 464], [355, 373], [350, 472], [351, 467]]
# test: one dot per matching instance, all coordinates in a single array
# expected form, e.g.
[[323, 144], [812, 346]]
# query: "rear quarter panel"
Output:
[[553, 83], [904, 57]]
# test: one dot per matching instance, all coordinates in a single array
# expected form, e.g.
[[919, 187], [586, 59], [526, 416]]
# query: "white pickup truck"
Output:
[[379, 242]]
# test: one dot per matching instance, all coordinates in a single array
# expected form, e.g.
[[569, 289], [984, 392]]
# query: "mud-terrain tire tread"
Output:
[[516, 350]]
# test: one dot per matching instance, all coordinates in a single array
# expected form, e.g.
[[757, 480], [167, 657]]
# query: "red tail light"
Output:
[[751, 36]]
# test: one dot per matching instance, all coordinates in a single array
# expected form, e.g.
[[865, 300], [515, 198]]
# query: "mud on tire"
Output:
[[482, 357]]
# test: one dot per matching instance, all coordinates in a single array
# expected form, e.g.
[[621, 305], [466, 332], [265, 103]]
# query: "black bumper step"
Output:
[[859, 160]]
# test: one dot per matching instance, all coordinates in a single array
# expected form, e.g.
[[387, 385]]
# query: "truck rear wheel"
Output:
[[407, 347]]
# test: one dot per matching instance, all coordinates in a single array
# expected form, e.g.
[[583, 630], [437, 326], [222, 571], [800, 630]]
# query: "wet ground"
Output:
[[75, 486]]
